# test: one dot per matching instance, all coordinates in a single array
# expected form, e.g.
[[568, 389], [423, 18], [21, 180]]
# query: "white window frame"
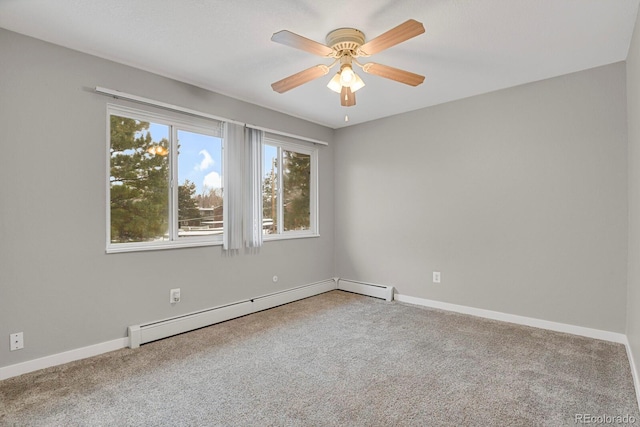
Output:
[[196, 125], [314, 230]]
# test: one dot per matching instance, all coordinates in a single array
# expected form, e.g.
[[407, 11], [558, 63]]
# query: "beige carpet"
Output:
[[337, 359]]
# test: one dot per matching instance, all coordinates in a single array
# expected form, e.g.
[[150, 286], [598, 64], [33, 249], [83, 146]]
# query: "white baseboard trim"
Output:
[[61, 358], [536, 323], [519, 320], [363, 288], [634, 370]]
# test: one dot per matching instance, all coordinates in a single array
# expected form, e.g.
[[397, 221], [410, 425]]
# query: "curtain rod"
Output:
[[291, 135], [142, 100]]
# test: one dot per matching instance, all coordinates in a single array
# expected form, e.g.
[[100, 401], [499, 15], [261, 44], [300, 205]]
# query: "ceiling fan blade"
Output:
[[399, 34], [288, 38], [396, 74], [347, 98], [300, 78]]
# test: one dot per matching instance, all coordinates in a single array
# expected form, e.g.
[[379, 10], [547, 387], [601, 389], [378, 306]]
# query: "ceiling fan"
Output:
[[344, 45]]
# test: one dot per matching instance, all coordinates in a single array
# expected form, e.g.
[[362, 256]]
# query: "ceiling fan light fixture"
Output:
[[336, 85], [344, 45]]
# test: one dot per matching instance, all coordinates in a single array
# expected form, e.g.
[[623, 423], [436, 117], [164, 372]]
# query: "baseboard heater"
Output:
[[371, 289], [152, 331], [141, 334]]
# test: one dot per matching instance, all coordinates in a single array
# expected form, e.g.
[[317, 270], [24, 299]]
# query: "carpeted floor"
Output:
[[336, 359]]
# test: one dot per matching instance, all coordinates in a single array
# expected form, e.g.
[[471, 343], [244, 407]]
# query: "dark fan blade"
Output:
[[293, 40], [402, 32], [347, 98], [396, 74], [300, 78]]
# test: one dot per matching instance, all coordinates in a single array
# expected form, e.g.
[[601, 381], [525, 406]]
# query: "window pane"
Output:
[[139, 180], [296, 183], [270, 190], [199, 184]]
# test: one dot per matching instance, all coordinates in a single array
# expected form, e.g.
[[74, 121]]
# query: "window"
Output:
[[165, 175], [289, 191], [165, 181]]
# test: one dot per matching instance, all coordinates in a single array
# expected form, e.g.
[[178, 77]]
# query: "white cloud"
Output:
[[212, 180], [206, 161]]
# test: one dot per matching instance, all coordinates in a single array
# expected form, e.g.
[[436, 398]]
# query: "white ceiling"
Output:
[[470, 46]]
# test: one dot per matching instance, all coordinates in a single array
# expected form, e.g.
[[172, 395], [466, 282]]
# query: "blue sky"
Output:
[[200, 160], [199, 157]]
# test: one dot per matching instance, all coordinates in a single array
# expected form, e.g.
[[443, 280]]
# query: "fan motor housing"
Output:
[[343, 39]]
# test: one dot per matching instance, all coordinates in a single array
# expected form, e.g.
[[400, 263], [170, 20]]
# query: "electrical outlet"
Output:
[[174, 296], [17, 341], [436, 277]]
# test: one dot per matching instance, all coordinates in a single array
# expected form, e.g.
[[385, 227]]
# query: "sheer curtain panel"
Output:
[[233, 187], [253, 188]]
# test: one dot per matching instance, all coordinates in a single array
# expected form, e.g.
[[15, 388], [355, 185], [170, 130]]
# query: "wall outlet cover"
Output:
[[174, 296], [436, 277], [17, 341]]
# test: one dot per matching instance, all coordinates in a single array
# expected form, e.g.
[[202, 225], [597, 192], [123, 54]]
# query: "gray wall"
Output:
[[633, 123], [519, 198], [57, 285]]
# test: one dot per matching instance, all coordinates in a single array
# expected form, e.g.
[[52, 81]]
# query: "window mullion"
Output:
[[280, 193], [173, 185]]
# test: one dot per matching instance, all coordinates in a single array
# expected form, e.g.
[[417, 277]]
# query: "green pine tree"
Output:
[[188, 212], [296, 189], [139, 182]]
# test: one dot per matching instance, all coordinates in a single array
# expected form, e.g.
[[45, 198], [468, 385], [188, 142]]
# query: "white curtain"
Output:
[[253, 188], [233, 187]]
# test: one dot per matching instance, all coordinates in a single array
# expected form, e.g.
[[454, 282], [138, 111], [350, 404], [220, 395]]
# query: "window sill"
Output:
[[115, 249], [123, 248], [273, 237]]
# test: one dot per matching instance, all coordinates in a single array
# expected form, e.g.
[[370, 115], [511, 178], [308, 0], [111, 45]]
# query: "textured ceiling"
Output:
[[470, 47]]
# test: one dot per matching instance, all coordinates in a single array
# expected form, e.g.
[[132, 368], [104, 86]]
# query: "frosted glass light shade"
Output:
[[335, 84], [357, 83]]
